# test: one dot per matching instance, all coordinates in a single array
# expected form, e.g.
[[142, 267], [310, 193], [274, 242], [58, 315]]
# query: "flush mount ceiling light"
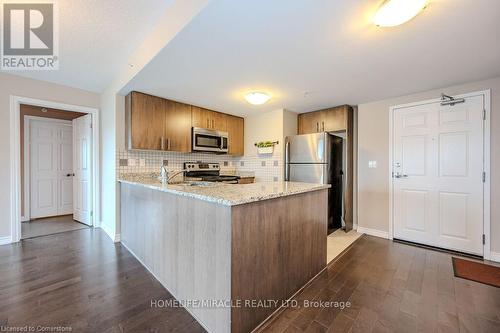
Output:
[[257, 98], [396, 12]]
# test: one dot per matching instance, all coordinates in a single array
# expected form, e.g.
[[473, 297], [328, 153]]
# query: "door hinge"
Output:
[[484, 177], [484, 239], [91, 213], [484, 114], [90, 125]]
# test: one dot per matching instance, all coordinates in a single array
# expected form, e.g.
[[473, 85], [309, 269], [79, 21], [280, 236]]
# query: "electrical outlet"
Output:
[[131, 162], [142, 162], [372, 164]]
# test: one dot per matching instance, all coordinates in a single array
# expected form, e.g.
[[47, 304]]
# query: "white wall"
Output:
[[373, 144], [112, 137], [23, 87], [267, 126]]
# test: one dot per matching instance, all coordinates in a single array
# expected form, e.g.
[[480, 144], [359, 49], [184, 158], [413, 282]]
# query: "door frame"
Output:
[[15, 157], [486, 94], [27, 160]]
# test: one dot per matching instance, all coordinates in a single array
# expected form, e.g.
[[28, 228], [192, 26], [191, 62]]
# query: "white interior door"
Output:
[[438, 175], [82, 160], [51, 167]]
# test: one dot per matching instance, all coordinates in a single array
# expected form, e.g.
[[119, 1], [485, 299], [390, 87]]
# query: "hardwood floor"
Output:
[[393, 287], [82, 280], [49, 226]]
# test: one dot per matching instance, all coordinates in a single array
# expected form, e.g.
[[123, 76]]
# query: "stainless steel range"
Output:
[[208, 172]]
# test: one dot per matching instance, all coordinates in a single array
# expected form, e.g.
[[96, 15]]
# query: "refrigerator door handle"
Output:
[[287, 161]]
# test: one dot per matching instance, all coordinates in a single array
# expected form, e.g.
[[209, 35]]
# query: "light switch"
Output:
[[372, 164]]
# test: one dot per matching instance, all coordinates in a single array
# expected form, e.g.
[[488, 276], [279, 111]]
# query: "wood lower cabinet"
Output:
[[235, 130], [209, 119]]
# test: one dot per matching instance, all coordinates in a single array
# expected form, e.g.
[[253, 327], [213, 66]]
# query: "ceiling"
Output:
[[307, 54], [315, 54], [96, 38]]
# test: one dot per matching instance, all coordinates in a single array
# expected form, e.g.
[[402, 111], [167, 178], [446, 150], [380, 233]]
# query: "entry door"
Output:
[[82, 160], [51, 168], [438, 175]]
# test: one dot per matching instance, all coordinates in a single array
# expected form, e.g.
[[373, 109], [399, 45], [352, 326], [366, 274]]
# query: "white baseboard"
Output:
[[495, 256], [5, 240], [373, 232], [110, 232]]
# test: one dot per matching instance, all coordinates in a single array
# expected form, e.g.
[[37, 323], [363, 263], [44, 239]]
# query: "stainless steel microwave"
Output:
[[205, 140]]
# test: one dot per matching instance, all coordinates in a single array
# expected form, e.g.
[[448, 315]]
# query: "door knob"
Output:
[[399, 175]]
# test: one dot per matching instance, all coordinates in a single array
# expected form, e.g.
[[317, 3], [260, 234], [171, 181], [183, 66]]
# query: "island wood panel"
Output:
[[278, 245], [185, 243]]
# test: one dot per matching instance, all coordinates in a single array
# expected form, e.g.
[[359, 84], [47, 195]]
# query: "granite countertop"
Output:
[[225, 194]]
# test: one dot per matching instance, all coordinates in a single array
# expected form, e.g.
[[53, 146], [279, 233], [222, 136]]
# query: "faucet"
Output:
[[165, 176]]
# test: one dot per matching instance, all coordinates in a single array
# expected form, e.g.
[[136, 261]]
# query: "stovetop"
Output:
[[208, 172]]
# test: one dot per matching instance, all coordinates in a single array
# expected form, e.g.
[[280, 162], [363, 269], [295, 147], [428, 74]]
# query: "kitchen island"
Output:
[[230, 253]]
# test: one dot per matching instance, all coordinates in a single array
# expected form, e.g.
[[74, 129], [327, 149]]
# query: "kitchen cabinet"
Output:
[[146, 121], [310, 122], [209, 119], [235, 130], [327, 120], [178, 126], [154, 123]]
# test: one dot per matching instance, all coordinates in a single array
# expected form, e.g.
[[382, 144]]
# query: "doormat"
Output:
[[476, 271]]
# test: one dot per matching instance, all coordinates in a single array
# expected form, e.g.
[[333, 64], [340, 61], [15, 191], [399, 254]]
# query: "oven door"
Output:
[[209, 141]]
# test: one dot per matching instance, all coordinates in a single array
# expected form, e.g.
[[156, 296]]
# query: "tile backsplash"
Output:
[[267, 168]]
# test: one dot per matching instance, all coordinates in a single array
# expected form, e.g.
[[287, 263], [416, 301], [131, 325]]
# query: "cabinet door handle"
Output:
[[168, 144], [213, 124], [162, 143], [317, 127], [208, 123], [323, 126]]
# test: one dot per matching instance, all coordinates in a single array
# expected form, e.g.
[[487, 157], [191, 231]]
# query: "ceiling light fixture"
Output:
[[396, 12], [257, 98]]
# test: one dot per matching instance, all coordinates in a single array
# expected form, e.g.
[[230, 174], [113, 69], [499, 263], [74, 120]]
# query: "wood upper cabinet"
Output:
[[178, 126], [154, 123], [310, 122], [146, 121], [335, 119], [235, 130], [209, 119], [327, 120]]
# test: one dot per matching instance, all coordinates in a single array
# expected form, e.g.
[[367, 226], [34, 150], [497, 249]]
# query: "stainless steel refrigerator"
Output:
[[319, 158]]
